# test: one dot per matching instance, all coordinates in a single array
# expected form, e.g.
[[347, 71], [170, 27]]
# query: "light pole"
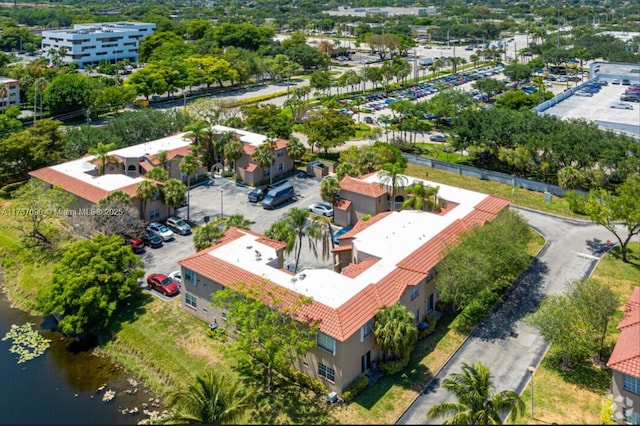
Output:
[[531, 371], [221, 204]]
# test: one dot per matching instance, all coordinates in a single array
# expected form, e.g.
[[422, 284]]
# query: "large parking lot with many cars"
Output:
[[230, 198]]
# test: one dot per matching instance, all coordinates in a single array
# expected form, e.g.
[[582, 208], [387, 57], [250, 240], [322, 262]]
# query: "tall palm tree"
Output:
[[298, 221], [233, 151], [419, 193], [101, 151], [157, 173], [213, 399], [391, 176], [206, 236], [145, 191], [173, 192], [188, 166], [477, 403], [395, 331], [194, 131], [264, 156], [296, 149]]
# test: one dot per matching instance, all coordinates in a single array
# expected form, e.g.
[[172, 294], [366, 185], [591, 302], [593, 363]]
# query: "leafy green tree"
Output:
[[328, 129], [91, 283], [383, 44], [206, 236], [69, 92], [173, 193], [570, 323], [268, 118], [517, 72], [320, 80], [257, 312], [37, 206], [395, 330], [244, 35], [606, 209], [391, 175], [156, 40], [212, 399], [477, 404]]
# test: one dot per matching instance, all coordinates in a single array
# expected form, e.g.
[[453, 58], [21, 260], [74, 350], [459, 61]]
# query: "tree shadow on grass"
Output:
[[585, 374], [286, 403], [131, 310], [632, 256]]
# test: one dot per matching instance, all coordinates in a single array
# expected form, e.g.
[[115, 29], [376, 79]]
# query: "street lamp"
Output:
[[221, 204], [531, 371]]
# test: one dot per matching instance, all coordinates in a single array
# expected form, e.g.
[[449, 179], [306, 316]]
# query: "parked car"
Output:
[[163, 284], [136, 244], [178, 225], [615, 81], [626, 82], [277, 196], [176, 276], [321, 209], [152, 239], [437, 138], [630, 98], [257, 195], [165, 233], [622, 106], [583, 93]]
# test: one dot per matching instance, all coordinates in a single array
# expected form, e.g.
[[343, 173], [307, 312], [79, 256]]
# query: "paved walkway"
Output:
[[502, 341]]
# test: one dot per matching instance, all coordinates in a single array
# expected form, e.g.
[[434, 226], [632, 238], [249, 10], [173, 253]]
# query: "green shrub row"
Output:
[[394, 367], [306, 381], [355, 388], [431, 320]]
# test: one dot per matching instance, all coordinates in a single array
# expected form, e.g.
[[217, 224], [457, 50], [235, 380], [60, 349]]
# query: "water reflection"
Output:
[[63, 382]]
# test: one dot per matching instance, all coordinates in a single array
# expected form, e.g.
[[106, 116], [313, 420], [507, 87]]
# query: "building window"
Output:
[[366, 329], [280, 153], [154, 214], [326, 372], [632, 418], [326, 342], [157, 196], [415, 291], [632, 384], [190, 275], [190, 300], [280, 167]]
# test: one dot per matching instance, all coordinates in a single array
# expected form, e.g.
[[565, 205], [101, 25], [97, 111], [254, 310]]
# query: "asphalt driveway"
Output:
[[502, 341]]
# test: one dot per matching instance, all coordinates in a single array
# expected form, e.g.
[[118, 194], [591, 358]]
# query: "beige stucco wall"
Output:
[[362, 204]]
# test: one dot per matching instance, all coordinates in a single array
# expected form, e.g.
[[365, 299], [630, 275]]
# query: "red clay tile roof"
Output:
[[145, 165], [625, 357], [391, 287], [248, 148], [250, 167], [492, 204], [178, 152], [429, 254], [352, 270], [341, 248], [70, 184], [478, 217], [342, 204], [359, 187]]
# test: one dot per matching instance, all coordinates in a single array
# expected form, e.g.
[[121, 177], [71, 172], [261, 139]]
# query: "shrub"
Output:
[[355, 388], [431, 320], [309, 156], [576, 202], [366, 217], [607, 412], [394, 367], [305, 381], [475, 311]]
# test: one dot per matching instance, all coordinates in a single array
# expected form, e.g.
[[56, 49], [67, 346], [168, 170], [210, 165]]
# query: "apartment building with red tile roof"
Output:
[[625, 363], [387, 259]]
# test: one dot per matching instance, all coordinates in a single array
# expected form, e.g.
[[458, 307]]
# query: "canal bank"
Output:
[[67, 384]]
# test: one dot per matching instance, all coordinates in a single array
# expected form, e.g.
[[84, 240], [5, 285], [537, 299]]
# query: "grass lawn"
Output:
[[577, 397]]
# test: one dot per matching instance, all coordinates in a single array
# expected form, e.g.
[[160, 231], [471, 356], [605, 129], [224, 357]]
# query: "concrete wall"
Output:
[[630, 400]]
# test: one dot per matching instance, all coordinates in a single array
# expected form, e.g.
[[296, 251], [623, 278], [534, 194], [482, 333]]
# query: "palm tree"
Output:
[[233, 151], [237, 220], [162, 156], [264, 156], [391, 176], [206, 236], [188, 166], [296, 149], [194, 131], [329, 189], [158, 173], [145, 191], [395, 331], [298, 221], [477, 403], [213, 399], [173, 191], [419, 193], [101, 152]]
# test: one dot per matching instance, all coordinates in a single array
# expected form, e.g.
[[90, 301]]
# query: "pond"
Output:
[[67, 383]]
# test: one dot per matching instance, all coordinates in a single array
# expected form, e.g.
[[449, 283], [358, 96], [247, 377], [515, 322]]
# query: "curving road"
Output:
[[502, 341]]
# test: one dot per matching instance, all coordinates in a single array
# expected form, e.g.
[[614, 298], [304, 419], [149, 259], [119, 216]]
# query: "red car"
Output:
[[137, 245], [163, 284]]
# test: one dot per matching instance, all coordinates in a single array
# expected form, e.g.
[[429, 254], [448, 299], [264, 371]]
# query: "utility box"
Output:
[[317, 169], [548, 197]]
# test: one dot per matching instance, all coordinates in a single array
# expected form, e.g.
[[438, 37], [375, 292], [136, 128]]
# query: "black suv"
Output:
[[257, 194]]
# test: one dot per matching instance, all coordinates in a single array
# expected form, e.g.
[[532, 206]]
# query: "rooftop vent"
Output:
[[302, 276]]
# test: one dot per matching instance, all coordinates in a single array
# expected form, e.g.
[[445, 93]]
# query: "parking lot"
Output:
[[229, 198]]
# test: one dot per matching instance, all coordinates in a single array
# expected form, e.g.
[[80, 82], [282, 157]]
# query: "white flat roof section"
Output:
[[391, 240], [153, 147], [251, 138]]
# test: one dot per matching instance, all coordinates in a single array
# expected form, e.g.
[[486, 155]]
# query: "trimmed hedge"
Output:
[[305, 381], [431, 320], [394, 367], [355, 388]]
